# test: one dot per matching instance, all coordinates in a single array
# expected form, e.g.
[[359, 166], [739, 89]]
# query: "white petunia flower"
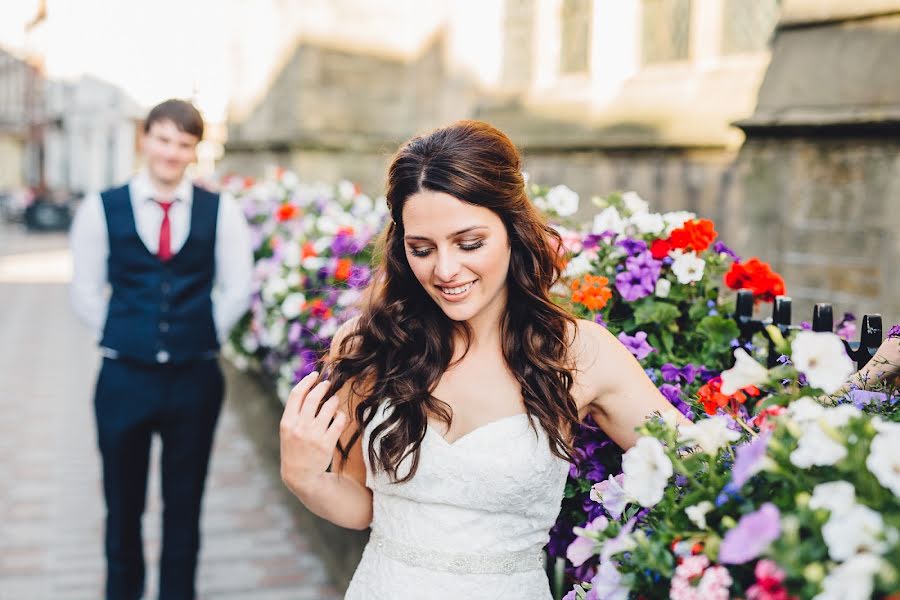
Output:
[[293, 279], [855, 531], [822, 358], [674, 220], [290, 254], [647, 470], [884, 460], [688, 267], [648, 223], [293, 306], [663, 287], [745, 372], [578, 266], [837, 497], [851, 580], [634, 203], [274, 287], [710, 434], [314, 263], [562, 200], [805, 410], [346, 189], [697, 513], [609, 220], [816, 448], [249, 342]]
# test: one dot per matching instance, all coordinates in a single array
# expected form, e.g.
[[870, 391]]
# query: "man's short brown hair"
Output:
[[184, 114]]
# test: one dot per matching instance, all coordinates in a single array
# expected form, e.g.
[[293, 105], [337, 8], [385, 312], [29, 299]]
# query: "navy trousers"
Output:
[[181, 403]]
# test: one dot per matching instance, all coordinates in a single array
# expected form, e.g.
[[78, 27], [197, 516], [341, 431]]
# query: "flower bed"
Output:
[[656, 521]]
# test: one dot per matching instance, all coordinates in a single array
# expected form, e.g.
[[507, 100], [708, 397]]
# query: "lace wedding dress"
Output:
[[471, 522]]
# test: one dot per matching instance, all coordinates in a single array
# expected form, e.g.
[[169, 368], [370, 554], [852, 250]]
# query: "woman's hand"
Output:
[[308, 440]]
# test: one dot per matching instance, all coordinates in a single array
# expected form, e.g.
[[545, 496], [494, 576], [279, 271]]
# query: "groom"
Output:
[[178, 263]]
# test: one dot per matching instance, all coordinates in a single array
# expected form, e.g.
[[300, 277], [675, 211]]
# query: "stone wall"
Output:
[[826, 214]]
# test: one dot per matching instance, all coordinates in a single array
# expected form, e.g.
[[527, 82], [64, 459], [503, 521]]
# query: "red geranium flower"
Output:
[[659, 249], [696, 235], [286, 212], [712, 398], [756, 276]]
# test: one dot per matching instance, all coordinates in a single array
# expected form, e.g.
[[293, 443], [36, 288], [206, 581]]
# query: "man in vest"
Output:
[[177, 261]]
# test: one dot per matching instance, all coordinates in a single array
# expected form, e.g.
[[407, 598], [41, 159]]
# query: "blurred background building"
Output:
[[776, 118]]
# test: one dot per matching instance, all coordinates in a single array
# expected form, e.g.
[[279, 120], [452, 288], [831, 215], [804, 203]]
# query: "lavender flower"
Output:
[[637, 344], [753, 533], [894, 331], [863, 398], [748, 459]]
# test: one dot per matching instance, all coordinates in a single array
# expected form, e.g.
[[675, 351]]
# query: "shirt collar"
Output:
[[143, 190]]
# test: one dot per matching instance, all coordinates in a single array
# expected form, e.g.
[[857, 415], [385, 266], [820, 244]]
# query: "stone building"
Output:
[[90, 141], [21, 113], [773, 118]]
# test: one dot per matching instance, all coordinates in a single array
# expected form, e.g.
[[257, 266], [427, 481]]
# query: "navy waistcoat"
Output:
[[160, 311]]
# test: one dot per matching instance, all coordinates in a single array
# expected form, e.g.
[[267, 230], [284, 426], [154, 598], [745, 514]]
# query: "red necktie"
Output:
[[165, 233]]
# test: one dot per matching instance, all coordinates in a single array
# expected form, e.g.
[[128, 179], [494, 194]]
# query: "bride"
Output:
[[458, 387]]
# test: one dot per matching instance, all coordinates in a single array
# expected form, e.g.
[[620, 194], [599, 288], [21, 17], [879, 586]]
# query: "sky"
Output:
[[151, 49]]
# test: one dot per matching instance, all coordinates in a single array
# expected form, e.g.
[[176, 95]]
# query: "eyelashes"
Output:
[[465, 247]]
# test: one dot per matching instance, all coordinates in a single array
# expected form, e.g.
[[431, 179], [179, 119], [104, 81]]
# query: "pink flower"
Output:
[[695, 579], [769, 582]]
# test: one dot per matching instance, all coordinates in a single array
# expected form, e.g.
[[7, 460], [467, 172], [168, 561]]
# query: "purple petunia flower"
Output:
[[638, 280], [671, 392], [673, 374], [632, 247], [359, 276], [747, 459], [670, 372], [753, 533], [636, 344], [721, 248]]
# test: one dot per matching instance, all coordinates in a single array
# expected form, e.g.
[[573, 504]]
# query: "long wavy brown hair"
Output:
[[403, 342]]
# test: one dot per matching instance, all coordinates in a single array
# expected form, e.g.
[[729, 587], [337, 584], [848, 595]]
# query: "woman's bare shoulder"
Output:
[[588, 341]]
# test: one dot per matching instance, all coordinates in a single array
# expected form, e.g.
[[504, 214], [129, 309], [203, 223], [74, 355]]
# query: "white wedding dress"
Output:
[[471, 522]]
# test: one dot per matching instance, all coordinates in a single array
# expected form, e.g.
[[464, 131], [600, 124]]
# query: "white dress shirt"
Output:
[[90, 249]]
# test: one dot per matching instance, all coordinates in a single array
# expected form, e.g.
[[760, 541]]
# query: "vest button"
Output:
[[163, 326], [165, 286], [162, 356]]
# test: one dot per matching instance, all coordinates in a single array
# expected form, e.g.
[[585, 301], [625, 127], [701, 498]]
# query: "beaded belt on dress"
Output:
[[482, 564]]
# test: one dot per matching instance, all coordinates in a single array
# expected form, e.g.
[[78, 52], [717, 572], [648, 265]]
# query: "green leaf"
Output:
[[660, 313], [718, 330]]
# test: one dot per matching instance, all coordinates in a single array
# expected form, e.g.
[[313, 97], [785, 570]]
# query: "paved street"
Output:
[[51, 507]]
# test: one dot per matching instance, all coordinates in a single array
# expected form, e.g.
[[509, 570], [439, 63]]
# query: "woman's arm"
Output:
[[309, 446], [612, 386], [883, 368]]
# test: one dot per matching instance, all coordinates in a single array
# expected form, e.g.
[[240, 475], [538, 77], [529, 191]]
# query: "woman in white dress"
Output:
[[458, 386]]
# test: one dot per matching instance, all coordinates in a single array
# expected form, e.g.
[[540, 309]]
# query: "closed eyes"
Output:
[[465, 247]]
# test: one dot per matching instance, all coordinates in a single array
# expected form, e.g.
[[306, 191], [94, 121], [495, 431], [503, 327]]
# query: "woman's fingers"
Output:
[[295, 399], [320, 424], [334, 431], [311, 402]]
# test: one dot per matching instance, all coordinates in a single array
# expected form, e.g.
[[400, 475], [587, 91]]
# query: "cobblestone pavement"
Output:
[[51, 507]]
